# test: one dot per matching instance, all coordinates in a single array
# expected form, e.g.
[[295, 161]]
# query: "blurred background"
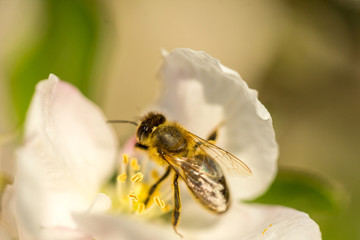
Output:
[[302, 56]]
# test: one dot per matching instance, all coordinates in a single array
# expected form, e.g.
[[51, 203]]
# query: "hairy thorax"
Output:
[[170, 139]]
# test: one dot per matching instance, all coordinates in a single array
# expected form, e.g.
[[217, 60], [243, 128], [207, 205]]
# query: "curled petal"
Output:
[[260, 222], [75, 130], [69, 151], [246, 222], [201, 94]]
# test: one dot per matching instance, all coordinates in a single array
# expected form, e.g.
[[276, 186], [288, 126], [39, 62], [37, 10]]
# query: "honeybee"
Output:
[[196, 161]]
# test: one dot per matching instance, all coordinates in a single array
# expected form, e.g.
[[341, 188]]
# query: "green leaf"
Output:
[[67, 49], [306, 192]]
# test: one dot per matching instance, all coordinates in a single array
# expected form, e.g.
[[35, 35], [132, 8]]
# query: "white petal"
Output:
[[3, 234], [245, 222], [43, 211], [260, 222], [29, 195], [64, 234], [69, 151], [101, 203], [8, 226], [200, 93], [75, 130], [123, 228]]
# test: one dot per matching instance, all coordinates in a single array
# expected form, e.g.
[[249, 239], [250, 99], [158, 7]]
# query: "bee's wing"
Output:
[[221, 156], [194, 166], [204, 178]]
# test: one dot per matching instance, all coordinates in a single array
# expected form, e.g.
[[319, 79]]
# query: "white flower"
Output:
[[69, 153]]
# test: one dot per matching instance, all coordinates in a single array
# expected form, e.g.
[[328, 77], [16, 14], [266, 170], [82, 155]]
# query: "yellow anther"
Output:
[[133, 196], [141, 208], [134, 164], [138, 177], [167, 208], [122, 177], [162, 204], [159, 202], [125, 158]]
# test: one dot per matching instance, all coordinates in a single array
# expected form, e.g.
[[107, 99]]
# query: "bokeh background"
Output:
[[302, 56]]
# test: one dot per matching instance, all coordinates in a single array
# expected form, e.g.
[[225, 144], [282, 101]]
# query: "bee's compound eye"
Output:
[[139, 132], [143, 132]]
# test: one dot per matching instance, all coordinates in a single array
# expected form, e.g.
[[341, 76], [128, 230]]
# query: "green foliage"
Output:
[[321, 198], [67, 49], [304, 191]]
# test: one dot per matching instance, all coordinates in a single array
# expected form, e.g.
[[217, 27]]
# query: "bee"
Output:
[[196, 161]]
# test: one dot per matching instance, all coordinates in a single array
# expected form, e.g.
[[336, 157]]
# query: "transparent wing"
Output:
[[204, 179], [221, 156], [200, 164]]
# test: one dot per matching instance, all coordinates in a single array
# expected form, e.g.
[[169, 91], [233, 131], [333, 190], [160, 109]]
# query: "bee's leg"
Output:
[[155, 185], [212, 137], [141, 146], [214, 134], [177, 207]]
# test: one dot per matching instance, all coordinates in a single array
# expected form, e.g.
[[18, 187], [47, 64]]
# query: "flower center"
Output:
[[130, 189]]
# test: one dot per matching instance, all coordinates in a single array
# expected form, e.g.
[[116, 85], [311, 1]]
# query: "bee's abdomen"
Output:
[[170, 139]]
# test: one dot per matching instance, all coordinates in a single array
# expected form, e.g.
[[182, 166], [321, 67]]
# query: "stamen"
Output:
[[141, 208], [125, 158], [159, 202], [132, 188], [138, 177], [122, 177], [162, 204], [134, 164], [133, 196]]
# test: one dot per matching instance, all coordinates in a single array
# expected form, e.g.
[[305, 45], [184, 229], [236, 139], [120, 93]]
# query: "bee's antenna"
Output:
[[122, 121]]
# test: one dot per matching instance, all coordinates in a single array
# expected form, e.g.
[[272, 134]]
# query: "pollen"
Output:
[[134, 164], [131, 190], [125, 158], [159, 202], [138, 177], [266, 229], [122, 177], [133, 196]]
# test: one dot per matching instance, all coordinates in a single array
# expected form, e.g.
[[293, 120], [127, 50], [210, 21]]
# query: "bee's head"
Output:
[[147, 125]]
